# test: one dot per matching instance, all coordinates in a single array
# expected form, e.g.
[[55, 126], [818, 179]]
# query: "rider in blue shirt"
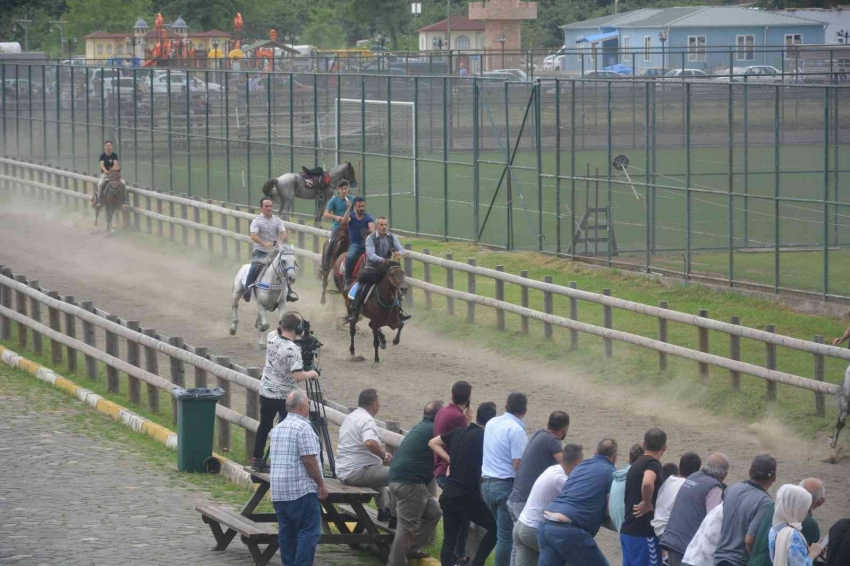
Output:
[[337, 209], [360, 225]]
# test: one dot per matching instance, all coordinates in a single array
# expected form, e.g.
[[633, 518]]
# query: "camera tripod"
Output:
[[319, 420]]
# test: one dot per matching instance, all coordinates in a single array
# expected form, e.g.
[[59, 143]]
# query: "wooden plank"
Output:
[[90, 338], [35, 309], [71, 332]]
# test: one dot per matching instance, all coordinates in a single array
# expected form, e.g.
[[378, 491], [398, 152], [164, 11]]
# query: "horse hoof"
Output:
[[233, 331], [376, 363], [396, 341]]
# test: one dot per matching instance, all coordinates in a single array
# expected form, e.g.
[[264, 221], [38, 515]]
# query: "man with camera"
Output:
[[283, 370]]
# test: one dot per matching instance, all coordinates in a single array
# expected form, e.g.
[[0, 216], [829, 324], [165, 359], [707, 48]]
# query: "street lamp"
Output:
[[843, 35], [502, 40], [59, 25], [662, 35], [415, 8], [25, 24]]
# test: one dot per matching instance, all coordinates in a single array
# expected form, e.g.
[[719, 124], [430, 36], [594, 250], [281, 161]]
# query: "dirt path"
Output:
[[186, 293]]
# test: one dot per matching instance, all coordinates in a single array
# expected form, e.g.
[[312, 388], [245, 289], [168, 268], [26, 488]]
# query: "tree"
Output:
[[203, 15], [87, 16]]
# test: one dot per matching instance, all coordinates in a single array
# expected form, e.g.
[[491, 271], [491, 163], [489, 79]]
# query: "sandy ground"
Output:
[[187, 294]]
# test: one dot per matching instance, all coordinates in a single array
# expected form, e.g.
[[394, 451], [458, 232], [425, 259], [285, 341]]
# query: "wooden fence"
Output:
[[73, 188]]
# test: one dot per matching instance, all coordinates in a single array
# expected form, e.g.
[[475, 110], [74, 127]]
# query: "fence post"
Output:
[[523, 292], [500, 296], [6, 301], [223, 426], [223, 237], [136, 216], [426, 270], [184, 214], [112, 349], [171, 215], [662, 337], [35, 309], [573, 316], [820, 406], [201, 374], [548, 307], [159, 231], [470, 288], [90, 338], [735, 354], [55, 322], [607, 322], [237, 227], [148, 219], [196, 218], [770, 362], [317, 249], [252, 411], [450, 284], [134, 389], [209, 223], [177, 373], [300, 235], [702, 341], [408, 272], [151, 365], [392, 426], [21, 307], [71, 332]]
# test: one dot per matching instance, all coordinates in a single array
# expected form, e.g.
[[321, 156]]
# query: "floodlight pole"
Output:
[[26, 25]]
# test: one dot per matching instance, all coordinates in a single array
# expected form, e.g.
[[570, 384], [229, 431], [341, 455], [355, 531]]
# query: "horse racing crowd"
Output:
[[536, 500]]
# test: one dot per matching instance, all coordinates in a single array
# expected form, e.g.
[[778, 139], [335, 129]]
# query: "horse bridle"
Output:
[[396, 292], [281, 272]]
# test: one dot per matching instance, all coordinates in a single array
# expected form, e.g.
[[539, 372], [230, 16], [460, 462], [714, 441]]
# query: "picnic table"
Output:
[[344, 509]]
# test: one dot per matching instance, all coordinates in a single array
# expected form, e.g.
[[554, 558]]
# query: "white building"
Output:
[[466, 34]]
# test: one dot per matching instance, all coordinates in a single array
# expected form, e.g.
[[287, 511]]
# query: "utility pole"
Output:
[[25, 24], [60, 25], [449, 32]]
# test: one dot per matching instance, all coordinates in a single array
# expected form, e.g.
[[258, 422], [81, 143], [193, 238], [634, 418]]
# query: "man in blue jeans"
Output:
[[504, 443], [297, 483], [360, 224], [573, 518]]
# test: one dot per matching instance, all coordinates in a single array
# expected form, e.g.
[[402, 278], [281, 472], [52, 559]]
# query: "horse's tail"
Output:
[[269, 188]]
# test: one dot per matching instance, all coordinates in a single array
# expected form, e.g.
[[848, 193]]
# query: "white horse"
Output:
[[843, 410], [272, 288]]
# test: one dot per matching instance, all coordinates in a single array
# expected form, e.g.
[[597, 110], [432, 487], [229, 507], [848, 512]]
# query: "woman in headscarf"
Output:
[[787, 545]]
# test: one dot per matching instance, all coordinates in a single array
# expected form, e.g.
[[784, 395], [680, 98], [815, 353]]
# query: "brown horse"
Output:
[[382, 307], [341, 249], [113, 198]]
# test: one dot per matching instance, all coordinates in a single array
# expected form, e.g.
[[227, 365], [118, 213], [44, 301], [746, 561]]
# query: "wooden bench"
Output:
[[344, 509], [252, 533]]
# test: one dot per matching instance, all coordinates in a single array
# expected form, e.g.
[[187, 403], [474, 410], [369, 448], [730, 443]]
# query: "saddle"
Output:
[[315, 178]]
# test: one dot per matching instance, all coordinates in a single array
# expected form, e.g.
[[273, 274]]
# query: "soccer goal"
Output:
[[378, 125]]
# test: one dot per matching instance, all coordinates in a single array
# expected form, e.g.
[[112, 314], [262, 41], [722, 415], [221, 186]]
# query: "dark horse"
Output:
[[289, 186], [113, 198], [341, 249], [383, 306]]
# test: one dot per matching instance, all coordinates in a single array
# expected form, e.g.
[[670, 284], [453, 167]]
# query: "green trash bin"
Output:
[[195, 426]]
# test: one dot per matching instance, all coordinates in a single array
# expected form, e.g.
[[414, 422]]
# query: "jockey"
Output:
[[108, 160], [360, 224], [337, 209], [266, 229], [382, 247]]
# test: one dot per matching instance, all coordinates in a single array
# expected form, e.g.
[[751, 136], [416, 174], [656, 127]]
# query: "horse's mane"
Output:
[[384, 268]]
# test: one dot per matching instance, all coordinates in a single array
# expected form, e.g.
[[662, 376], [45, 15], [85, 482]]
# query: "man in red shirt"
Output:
[[454, 415]]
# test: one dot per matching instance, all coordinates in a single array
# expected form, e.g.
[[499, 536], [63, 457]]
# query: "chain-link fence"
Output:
[[738, 181]]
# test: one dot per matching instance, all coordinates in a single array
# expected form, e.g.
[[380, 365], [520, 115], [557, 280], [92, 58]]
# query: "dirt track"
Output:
[[186, 293]]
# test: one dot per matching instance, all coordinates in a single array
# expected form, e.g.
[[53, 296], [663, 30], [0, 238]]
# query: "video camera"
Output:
[[309, 345]]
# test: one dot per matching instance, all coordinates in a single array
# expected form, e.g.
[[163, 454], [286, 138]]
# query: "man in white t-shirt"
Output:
[[265, 231], [283, 370], [689, 463], [547, 486], [360, 457]]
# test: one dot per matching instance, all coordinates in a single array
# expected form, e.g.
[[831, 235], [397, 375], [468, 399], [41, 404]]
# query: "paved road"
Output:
[[71, 499]]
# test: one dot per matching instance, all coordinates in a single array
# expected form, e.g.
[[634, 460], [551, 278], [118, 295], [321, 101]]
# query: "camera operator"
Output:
[[283, 370]]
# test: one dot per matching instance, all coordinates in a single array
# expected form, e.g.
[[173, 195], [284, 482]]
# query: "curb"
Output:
[[137, 423]]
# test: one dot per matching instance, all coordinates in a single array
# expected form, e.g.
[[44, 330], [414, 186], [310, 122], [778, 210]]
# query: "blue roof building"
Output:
[[696, 37]]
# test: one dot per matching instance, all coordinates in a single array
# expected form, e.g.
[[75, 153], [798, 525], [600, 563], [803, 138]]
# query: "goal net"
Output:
[[348, 126]]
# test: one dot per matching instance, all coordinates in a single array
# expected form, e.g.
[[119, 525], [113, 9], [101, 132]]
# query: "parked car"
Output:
[[601, 75], [759, 74], [651, 73], [686, 74], [553, 62], [198, 86], [121, 86], [511, 75], [23, 87], [161, 80]]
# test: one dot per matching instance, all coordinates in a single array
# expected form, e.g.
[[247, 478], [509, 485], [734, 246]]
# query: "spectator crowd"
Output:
[[541, 499]]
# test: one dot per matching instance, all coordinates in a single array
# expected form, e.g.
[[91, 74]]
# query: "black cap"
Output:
[[763, 467]]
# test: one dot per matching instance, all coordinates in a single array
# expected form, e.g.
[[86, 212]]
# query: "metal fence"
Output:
[[737, 182]]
